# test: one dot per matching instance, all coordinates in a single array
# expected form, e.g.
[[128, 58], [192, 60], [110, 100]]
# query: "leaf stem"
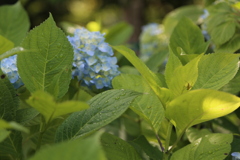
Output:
[[160, 143], [169, 132], [44, 126]]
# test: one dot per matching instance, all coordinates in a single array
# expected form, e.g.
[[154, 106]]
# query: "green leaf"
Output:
[[211, 146], [14, 22], [152, 79], [47, 65], [223, 32], [45, 104], [189, 37], [11, 147], [26, 116], [4, 134], [199, 106], [8, 99], [12, 125], [5, 44], [193, 134], [86, 149], [153, 152], [104, 108], [216, 70], [172, 64], [156, 60], [148, 105], [231, 46], [119, 33], [184, 77], [233, 86], [117, 149], [171, 20]]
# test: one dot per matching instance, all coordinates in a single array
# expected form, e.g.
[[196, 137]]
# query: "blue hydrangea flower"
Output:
[[9, 67], [235, 156], [93, 62], [152, 40]]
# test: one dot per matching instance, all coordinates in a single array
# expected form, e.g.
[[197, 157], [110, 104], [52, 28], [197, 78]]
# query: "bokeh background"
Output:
[[105, 12]]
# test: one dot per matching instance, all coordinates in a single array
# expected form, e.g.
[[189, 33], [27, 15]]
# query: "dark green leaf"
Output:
[[117, 149], [104, 108]]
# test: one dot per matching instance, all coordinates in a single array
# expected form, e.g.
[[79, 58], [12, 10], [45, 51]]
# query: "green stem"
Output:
[[176, 142], [44, 126], [160, 143], [169, 132]]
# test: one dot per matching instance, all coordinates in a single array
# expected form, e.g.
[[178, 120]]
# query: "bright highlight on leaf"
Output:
[[45, 104], [199, 106]]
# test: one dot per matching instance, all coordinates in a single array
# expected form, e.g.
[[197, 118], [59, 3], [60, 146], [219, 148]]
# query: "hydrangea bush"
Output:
[[188, 112]]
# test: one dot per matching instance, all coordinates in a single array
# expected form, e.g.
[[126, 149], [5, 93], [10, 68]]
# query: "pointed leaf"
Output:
[[104, 108], [212, 146], [86, 149], [199, 106], [184, 77], [189, 37], [5, 44], [14, 22], [47, 65], [117, 149], [153, 81], [45, 104], [148, 105], [216, 70], [193, 134], [8, 99]]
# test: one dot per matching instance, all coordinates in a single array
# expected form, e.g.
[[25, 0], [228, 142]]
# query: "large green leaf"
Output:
[[198, 106], [216, 70], [47, 65], [45, 104], [104, 108], [231, 46], [8, 99], [86, 149], [14, 22], [119, 33], [5, 44], [221, 23], [11, 147], [189, 37], [223, 32], [117, 149], [171, 20], [233, 86], [184, 77], [152, 79], [211, 146], [148, 105]]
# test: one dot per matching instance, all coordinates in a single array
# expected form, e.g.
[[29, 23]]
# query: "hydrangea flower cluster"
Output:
[[235, 156], [93, 62], [9, 67], [152, 40]]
